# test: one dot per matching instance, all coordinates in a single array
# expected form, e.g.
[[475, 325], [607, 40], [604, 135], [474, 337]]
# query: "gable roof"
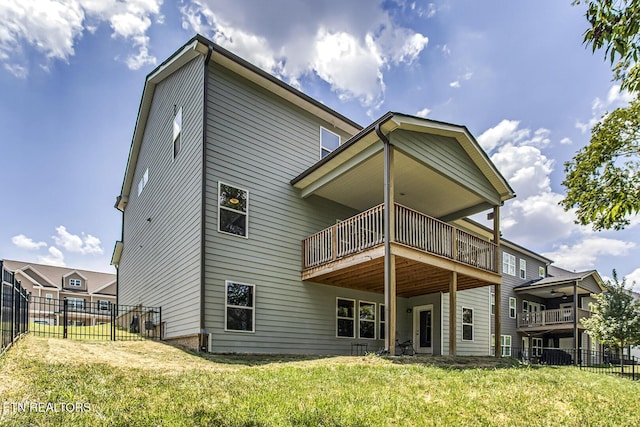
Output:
[[52, 276], [201, 46], [560, 276]]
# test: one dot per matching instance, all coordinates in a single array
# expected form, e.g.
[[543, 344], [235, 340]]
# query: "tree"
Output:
[[602, 178], [616, 316], [615, 27]]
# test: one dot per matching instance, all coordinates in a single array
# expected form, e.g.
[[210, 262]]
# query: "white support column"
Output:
[[498, 286], [389, 259], [453, 310]]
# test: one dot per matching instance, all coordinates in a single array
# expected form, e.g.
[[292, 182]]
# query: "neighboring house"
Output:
[[88, 293], [261, 221]]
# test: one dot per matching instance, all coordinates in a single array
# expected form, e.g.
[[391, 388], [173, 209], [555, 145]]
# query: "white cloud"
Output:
[[633, 278], [350, 51], [55, 257], [583, 255], [423, 113], [614, 99], [52, 27], [25, 242], [455, 84], [506, 130], [566, 141], [87, 244]]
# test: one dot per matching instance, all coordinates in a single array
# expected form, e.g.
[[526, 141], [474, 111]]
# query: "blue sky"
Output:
[[515, 73]]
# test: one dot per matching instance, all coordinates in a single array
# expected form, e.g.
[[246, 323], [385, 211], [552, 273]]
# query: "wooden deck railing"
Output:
[[413, 229], [550, 317]]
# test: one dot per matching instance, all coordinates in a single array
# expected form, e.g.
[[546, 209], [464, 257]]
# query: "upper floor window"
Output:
[[103, 305], [233, 206], [329, 141], [523, 269], [177, 132], [75, 282], [512, 307], [542, 273], [493, 303], [143, 181], [508, 264]]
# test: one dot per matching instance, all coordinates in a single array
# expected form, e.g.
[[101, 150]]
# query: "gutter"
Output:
[[204, 344]]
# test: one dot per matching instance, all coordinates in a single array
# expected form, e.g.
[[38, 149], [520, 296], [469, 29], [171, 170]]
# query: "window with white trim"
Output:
[[523, 269], [177, 132], [103, 305], [493, 303], [75, 303], [143, 181], [508, 264], [536, 344], [48, 297], [467, 324], [239, 307], [541, 272], [492, 350], [512, 307], [367, 319], [75, 282], [329, 141], [233, 208], [525, 306], [345, 318], [381, 321], [505, 345]]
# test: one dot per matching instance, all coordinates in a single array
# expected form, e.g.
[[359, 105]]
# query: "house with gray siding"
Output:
[[262, 221]]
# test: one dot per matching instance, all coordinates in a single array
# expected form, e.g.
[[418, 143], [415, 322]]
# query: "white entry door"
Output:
[[423, 329]]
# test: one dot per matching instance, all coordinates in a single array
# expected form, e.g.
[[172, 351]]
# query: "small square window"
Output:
[[75, 282], [541, 272], [329, 141], [233, 206], [239, 307]]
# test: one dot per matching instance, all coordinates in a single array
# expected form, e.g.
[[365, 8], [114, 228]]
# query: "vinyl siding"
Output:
[[259, 142], [478, 300], [508, 325], [446, 156], [160, 263]]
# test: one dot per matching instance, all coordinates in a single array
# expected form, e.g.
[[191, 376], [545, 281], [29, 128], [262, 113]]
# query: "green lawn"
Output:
[[148, 383]]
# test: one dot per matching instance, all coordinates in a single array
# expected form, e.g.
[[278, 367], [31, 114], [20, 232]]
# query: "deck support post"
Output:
[[498, 286], [389, 258], [453, 304]]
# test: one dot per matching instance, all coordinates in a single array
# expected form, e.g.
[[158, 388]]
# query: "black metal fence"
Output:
[[77, 318], [606, 362], [14, 309]]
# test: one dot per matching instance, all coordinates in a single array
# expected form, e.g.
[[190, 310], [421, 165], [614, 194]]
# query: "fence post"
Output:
[[64, 318], [160, 323], [113, 321]]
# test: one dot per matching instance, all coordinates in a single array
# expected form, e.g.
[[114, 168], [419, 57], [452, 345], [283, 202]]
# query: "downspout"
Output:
[[204, 344], [389, 312]]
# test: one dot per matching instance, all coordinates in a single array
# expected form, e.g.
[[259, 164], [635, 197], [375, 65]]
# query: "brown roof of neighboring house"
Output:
[[53, 275]]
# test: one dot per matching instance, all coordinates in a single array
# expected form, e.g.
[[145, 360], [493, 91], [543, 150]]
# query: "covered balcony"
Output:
[[552, 320], [350, 254], [407, 180]]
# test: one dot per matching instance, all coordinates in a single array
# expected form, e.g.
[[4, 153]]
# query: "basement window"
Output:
[[345, 318], [367, 315], [240, 304], [467, 324]]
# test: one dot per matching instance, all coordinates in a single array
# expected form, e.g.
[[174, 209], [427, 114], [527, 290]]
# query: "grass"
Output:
[[89, 332], [149, 383]]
